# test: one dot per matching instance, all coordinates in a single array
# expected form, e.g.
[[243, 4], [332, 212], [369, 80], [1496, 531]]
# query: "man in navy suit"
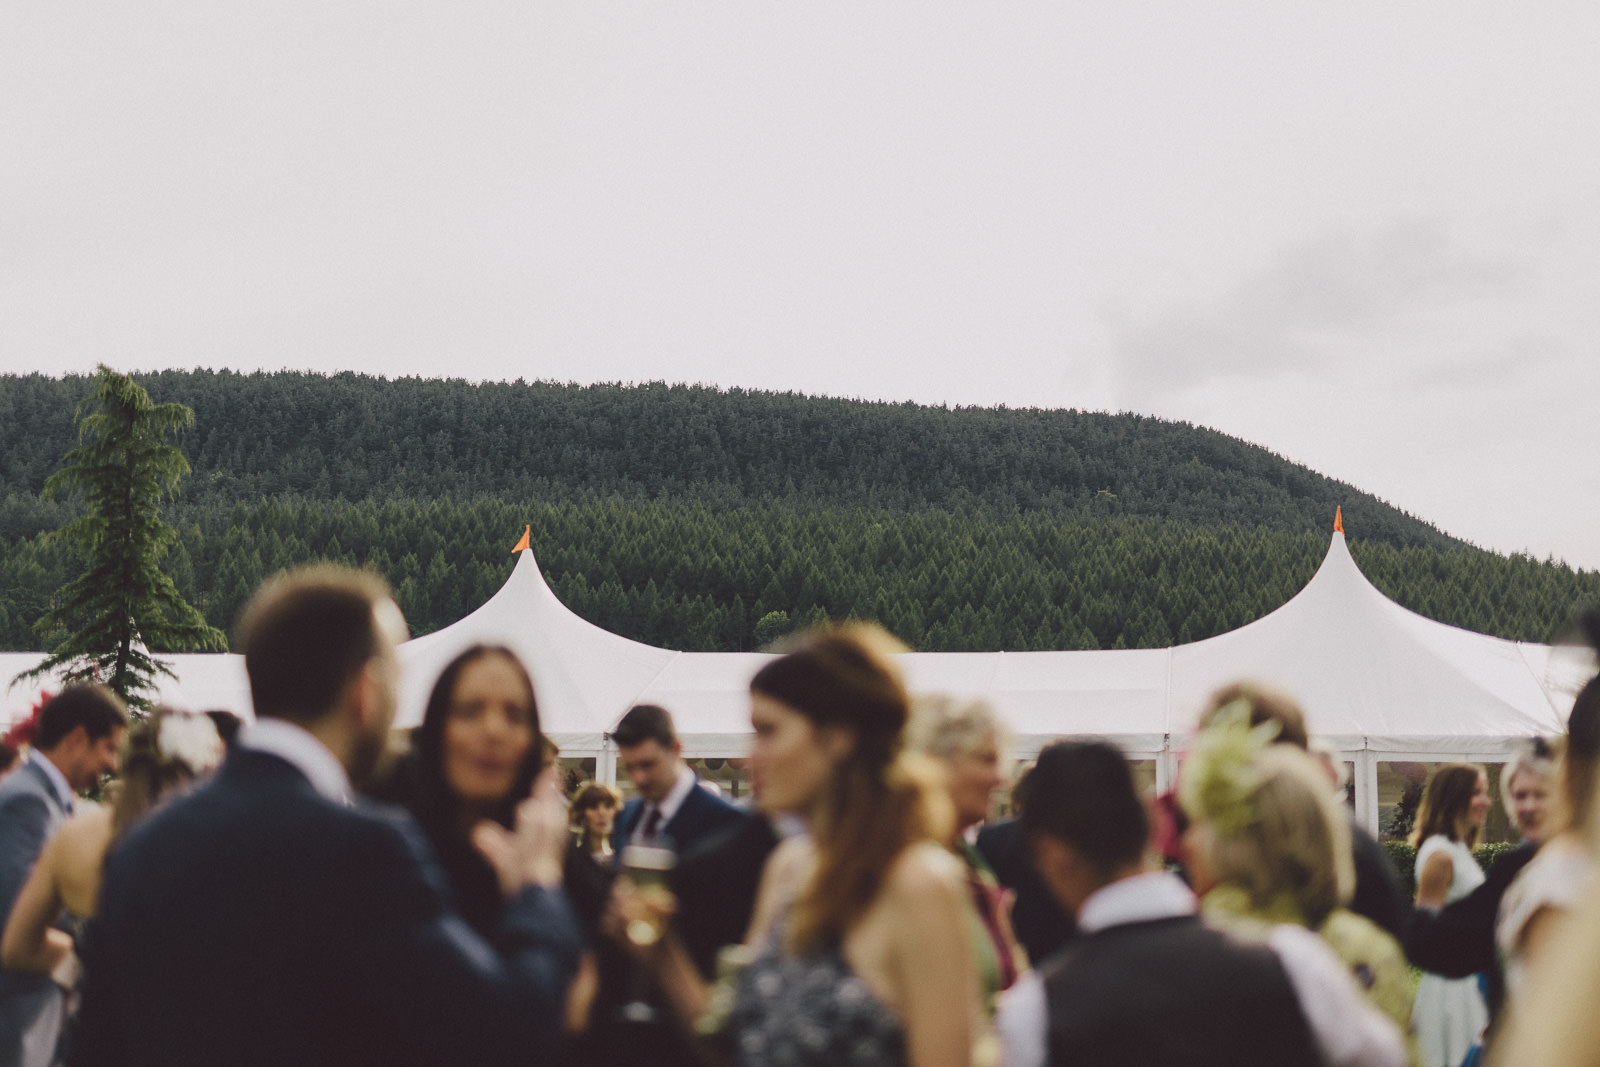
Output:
[[80, 734], [673, 811], [671, 808], [269, 918]]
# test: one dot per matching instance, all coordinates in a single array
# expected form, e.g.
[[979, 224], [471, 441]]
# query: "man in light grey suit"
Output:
[[80, 734]]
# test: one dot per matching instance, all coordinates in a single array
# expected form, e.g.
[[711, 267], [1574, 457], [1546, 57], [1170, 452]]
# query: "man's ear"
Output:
[[1059, 864], [1053, 858], [74, 740], [364, 694]]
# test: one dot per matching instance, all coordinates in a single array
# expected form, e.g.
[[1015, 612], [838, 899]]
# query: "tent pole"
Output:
[[1367, 790], [605, 764]]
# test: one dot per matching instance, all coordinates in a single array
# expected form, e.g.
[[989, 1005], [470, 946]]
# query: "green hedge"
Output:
[[1403, 857]]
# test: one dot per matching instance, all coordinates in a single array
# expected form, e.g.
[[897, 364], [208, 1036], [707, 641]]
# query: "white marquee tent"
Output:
[[1377, 681]]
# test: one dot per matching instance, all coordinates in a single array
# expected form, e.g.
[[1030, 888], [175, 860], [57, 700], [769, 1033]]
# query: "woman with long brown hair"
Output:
[[1449, 1013], [858, 950], [860, 931]]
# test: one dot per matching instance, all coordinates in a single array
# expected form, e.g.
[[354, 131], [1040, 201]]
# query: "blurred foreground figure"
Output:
[[1550, 918], [1146, 981], [966, 738], [80, 734], [266, 918], [1267, 843], [859, 950], [165, 752]]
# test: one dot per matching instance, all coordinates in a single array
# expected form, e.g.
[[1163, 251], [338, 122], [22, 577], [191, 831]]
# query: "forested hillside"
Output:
[[351, 437], [384, 474]]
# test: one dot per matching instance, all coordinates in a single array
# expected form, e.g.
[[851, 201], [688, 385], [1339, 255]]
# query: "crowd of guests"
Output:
[[292, 892]]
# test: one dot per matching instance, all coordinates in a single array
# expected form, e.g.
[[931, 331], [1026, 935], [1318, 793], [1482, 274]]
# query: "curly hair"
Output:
[[164, 751]]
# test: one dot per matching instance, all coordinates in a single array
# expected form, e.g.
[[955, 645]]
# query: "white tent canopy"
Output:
[[1376, 680]]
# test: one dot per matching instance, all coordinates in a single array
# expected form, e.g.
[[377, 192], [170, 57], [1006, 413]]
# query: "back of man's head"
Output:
[[306, 634], [1082, 794], [94, 707], [645, 722]]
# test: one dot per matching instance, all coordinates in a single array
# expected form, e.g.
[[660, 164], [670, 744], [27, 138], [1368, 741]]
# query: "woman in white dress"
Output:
[[1449, 1014]]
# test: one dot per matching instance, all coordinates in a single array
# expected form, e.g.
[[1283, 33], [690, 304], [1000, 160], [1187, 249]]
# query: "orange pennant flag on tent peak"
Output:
[[1338, 519], [527, 535]]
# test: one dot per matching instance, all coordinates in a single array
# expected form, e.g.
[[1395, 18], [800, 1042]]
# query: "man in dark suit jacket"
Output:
[[672, 811], [79, 736], [717, 884], [268, 918], [672, 808]]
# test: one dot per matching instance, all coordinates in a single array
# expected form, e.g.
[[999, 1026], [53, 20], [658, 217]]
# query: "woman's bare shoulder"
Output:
[[793, 854], [88, 827], [924, 871]]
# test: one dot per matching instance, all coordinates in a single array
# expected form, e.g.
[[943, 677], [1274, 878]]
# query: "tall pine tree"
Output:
[[123, 605]]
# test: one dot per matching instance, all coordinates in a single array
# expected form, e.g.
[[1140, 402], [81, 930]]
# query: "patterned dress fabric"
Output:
[[811, 1011]]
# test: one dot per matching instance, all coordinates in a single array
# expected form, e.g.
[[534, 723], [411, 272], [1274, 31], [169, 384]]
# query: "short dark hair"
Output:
[[94, 707], [1082, 794], [645, 722], [305, 635]]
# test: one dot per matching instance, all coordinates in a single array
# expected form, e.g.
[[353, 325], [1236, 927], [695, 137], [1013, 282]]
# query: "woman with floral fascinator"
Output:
[[1268, 844], [164, 752]]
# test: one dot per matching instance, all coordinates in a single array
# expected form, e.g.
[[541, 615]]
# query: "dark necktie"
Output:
[[652, 823]]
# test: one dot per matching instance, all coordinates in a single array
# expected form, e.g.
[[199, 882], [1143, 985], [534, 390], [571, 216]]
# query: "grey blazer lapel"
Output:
[[42, 785]]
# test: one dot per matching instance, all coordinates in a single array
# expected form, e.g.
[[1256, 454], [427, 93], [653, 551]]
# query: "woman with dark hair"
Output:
[[589, 868], [1449, 1014], [594, 811], [474, 758]]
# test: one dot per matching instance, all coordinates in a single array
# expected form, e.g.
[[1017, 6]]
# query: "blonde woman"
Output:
[[1268, 844], [966, 739], [1539, 902]]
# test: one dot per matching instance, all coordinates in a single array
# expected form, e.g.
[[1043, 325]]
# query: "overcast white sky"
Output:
[[1364, 235]]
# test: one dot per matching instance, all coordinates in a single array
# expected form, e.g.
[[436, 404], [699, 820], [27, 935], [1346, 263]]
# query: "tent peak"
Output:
[[527, 536], [1338, 519]]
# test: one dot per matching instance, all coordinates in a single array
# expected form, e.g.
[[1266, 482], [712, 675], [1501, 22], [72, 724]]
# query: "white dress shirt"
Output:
[[295, 745], [672, 801]]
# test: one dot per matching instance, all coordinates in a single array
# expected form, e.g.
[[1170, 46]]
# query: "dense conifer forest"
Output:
[[698, 518]]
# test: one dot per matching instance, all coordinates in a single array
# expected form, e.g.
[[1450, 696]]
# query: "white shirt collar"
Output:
[[1152, 895], [677, 794], [295, 745], [58, 781]]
